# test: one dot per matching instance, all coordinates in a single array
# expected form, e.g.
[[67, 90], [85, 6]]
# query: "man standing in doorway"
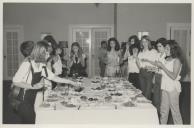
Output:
[[102, 56]]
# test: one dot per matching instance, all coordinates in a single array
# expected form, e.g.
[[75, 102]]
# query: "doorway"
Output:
[[12, 37], [89, 38], [181, 33]]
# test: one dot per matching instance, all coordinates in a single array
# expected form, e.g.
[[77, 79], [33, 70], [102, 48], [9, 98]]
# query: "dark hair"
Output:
[[135, 39], [175, 50], [57, 47], [117, 46], [79, 49], [26, 48], [39, 51], [153, 44], [161, 41], [103, 42], [50, 38], [145, 37], [132, 47], [123, 46]]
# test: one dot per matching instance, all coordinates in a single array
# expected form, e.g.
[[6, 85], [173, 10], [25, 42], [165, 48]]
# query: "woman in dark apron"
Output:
[[29, 79]]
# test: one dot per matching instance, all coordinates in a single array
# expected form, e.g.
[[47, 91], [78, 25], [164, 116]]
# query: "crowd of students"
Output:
[[154, 69]]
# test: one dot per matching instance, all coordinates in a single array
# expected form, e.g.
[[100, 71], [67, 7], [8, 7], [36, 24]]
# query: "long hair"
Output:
[[117, 46], [50, 39], [79, 50], [161, 41], [176, 52], [136, 40], [39, 52], [26, 48], [147, 38]]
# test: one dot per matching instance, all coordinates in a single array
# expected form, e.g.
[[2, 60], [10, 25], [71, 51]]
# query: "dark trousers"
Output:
[[102, 68], [156, 99], [145, 79], [26, 108], [134, 79]]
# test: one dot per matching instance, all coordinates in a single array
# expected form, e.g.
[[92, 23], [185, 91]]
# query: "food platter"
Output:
[[96, 92]]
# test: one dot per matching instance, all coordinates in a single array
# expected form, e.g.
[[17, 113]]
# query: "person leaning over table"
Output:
[[145, 76], [29, 77], [170, 84], [156, 98], [55, 63]]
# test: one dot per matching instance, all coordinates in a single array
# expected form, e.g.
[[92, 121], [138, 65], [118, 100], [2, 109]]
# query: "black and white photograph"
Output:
[[96, 63]]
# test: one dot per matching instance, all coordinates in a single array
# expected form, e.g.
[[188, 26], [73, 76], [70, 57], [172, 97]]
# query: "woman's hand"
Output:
[[72, 83], [83, 56], [38, 85], [144, 60], [159, 64]]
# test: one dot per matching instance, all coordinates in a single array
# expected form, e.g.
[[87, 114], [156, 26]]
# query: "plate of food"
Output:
[[129, 104], [69, 105], [45, 105]]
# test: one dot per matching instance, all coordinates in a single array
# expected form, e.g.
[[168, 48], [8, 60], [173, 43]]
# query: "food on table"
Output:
[[116, 94], [70, 105], [53, 96], [64, 93], [92, 99], [78, 89], [52, 100], [84, 98], [95, 81], [45, 105], [64, 103], [129, 104], [112, 89], [99, 88], [108, 98]]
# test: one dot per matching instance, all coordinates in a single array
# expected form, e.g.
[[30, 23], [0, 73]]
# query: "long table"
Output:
[[104, 101]]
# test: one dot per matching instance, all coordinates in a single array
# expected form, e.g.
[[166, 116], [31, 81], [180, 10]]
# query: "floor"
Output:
[[9, 117]]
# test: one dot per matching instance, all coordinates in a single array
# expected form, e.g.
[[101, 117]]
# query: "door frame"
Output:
[[20, 30], [168, 36], [87, 26], [169, 25]]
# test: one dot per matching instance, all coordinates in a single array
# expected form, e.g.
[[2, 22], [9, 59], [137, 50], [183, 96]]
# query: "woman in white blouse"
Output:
[[145, 76], [29, 78], [156, 98], [170, 85]]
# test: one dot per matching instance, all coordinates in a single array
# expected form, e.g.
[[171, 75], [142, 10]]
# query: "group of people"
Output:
[[152, 67], [46, 64]]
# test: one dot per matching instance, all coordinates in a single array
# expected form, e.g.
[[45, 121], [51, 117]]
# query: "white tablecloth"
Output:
[[143, 113], [132, 115]]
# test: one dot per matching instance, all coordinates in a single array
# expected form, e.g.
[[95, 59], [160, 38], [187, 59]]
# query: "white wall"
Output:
[[55, 18], [131, 18], [150, 17]]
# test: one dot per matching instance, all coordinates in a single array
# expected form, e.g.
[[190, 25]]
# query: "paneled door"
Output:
[[83, 37], [89, 38], [181, 32], [12, 37], [98, 35]]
